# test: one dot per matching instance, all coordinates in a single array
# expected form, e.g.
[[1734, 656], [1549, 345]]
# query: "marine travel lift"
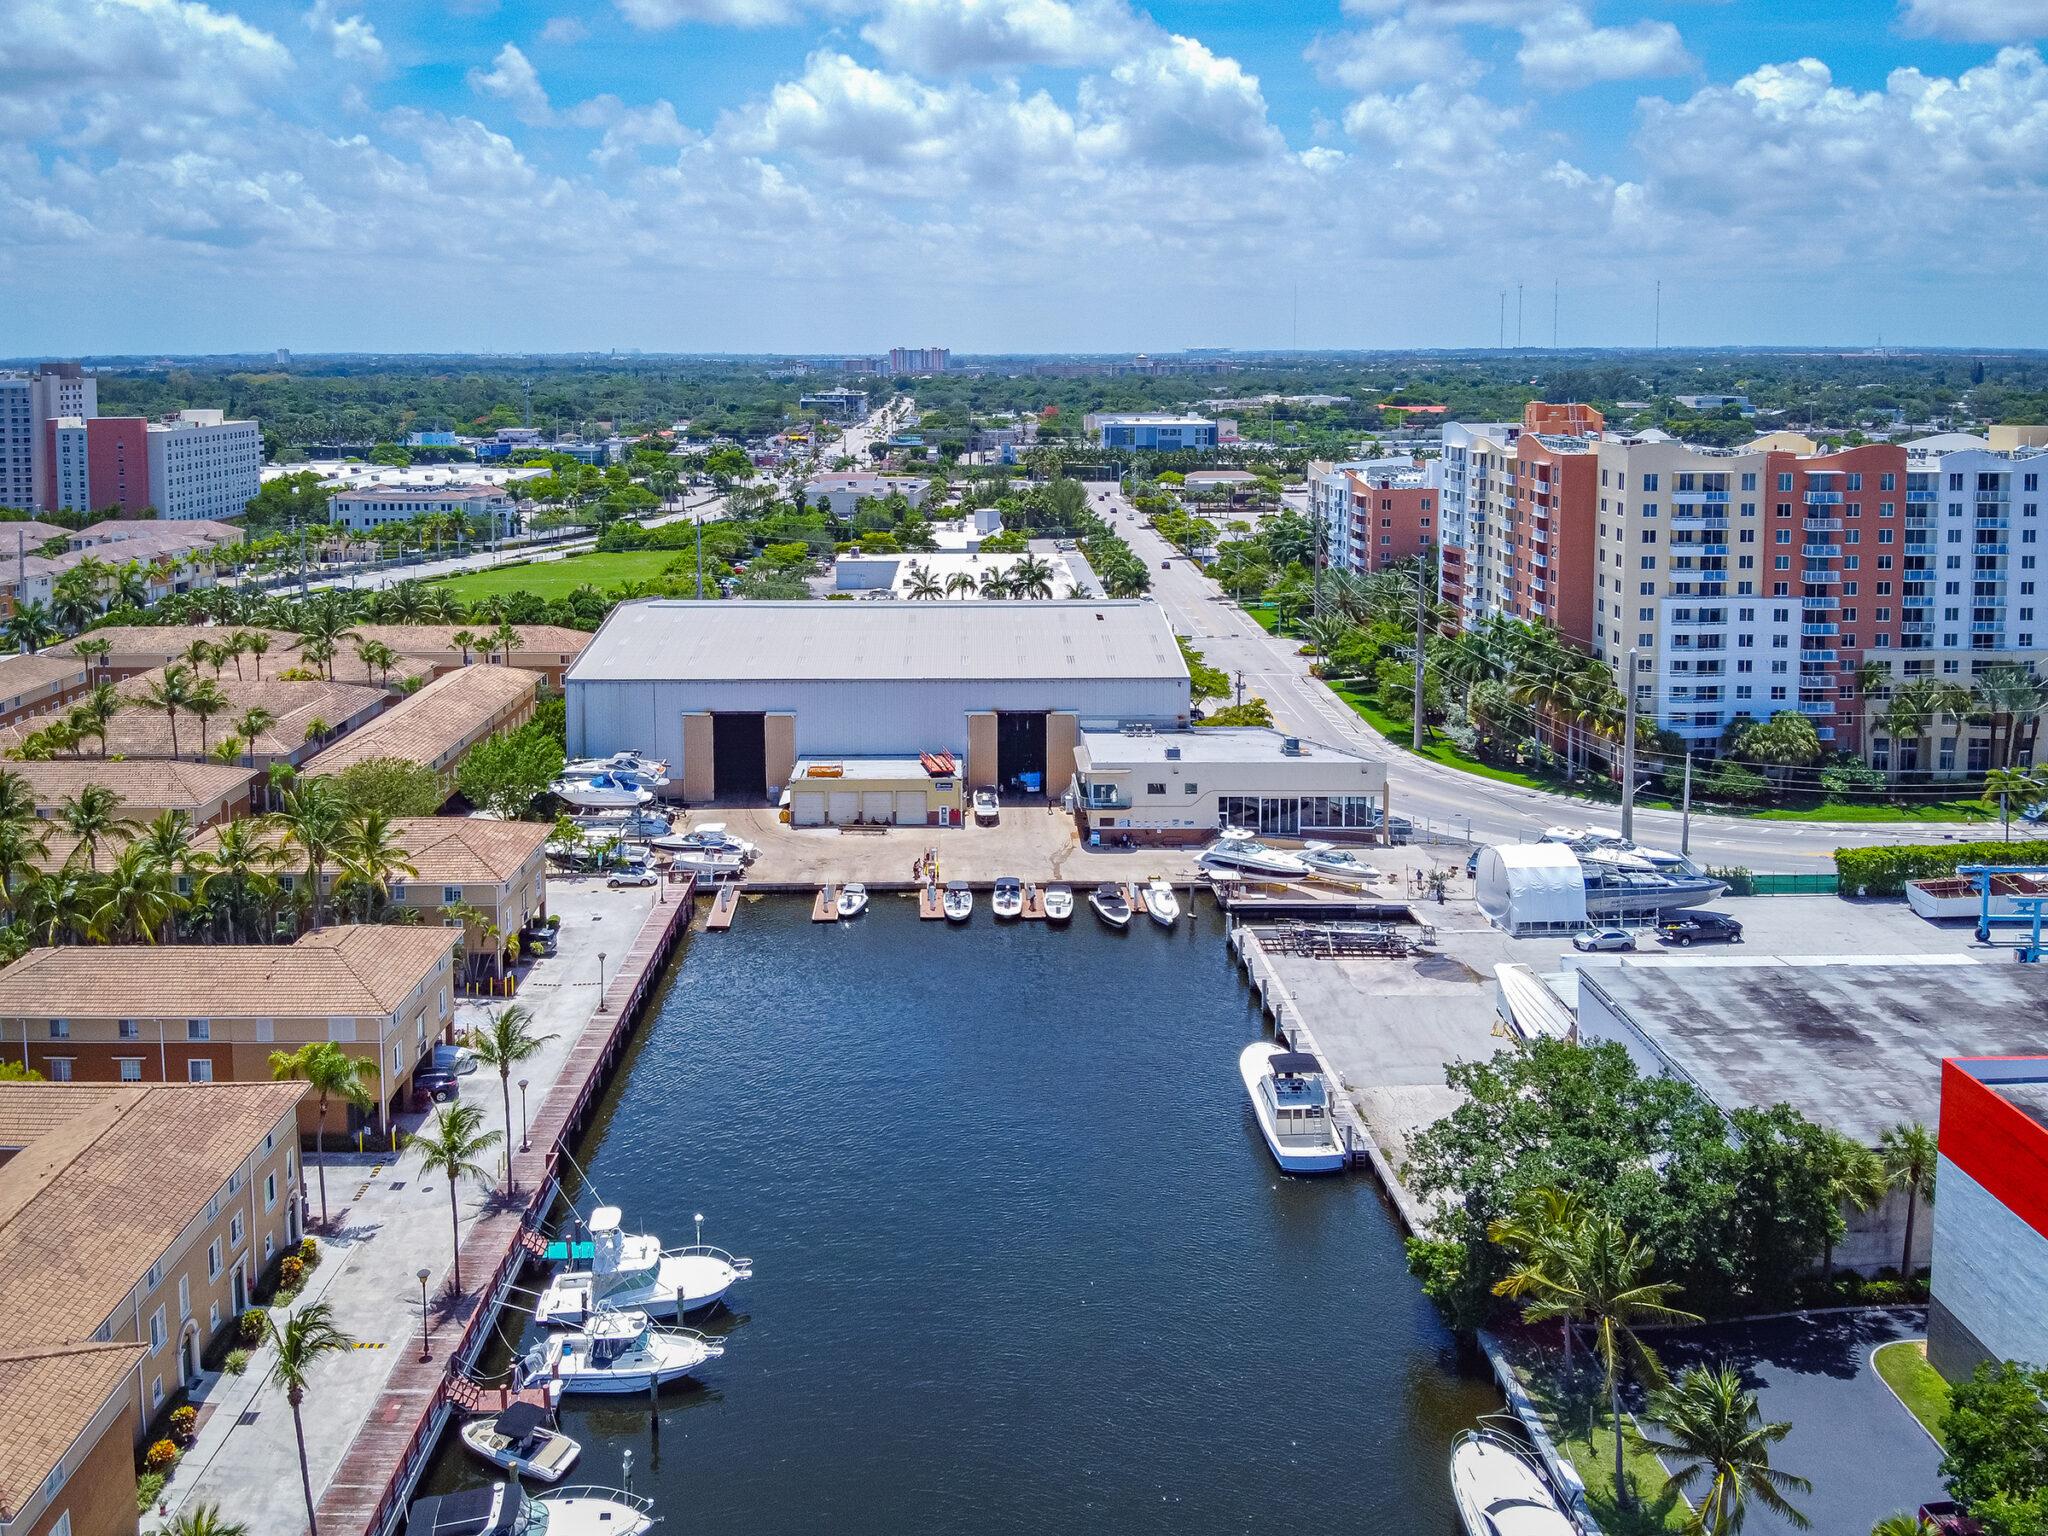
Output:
[[2029, 915]]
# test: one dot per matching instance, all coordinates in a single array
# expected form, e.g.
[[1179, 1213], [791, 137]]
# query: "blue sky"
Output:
[[844, 175]]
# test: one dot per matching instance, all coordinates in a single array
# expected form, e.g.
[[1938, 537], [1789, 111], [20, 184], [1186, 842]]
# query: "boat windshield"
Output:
[[532, 1519]]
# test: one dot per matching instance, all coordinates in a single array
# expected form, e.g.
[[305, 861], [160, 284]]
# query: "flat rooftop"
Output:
[[1208, 744], [661, 640], [1855, 1043]]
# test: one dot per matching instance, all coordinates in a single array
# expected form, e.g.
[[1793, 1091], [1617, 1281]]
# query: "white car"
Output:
[[987, 809], [634, 877], [1598, 939]]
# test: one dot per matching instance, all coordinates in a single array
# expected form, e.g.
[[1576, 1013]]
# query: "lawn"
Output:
[[1859, 810], [1577, 1422], [1903, 1365], [558, 578]]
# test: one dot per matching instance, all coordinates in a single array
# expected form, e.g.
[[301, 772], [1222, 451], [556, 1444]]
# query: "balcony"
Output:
[[1986, 627], [1913, 627], [1984, 497], [1812, 603], [1823, 525], [1823, 498], [1990, 520], [1807, 707], [1820, 551], [1822, 578], [1688, 547], [1920, 498], [1988, 549], [1917, 602], [1716, 498]]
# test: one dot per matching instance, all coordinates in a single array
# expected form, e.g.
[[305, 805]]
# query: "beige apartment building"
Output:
[[34, 685], [214, 1013], [111, 1302], [206, 793], [440, 723]]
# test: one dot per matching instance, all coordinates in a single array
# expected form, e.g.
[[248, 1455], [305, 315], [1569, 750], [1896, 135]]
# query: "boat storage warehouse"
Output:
[[734, 693]]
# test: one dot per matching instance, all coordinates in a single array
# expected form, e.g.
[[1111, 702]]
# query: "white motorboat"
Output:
[[711, 837], [1111, 905], [1591, 840], [1007, 901], [1292, 1102], [640, 825], [612, 1269], [506, 1509], [614, 1353], [1059, 903], [1161, 901], [958, 902], [1240, 853], [1501, 1492], [602, 792], [702, 861], [521, 1441], [853, 899], [1329, 859], [647, 772]]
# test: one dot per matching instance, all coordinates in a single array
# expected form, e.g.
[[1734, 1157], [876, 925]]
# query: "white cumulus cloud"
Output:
[[1976, 21], [352, 38], [1564, 50], [657, 14], [513, 79], [1396, 51], [955, 36], [1177, 103]]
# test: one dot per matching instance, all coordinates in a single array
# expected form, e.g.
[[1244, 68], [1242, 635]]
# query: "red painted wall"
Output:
[[117, 463], [1995, 1144]]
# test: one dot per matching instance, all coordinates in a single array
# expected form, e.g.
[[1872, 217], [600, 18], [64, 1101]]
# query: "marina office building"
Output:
[[733, 694], [1182, 786]]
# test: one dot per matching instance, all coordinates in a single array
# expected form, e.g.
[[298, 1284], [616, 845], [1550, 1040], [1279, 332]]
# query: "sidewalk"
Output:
[[389, 1222]]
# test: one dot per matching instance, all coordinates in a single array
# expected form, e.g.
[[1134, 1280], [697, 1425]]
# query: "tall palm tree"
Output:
[[2010, 699], [1910, 1153], [1602, 1275], [56, 906], [23, 848], [254, 722], [506, 1040], [2005, 785], [1031, 578], [207, 701], [452, 1147], [93, 650], [1542, 1234], [169, 691], [1712, 1428], [96, 711], [923, 585], [332, 1074], [138, 899], [370, 857], [239, 871], [93, 816], [258, 646], [30, 627], [1856, 1178], [993, 584], [300, 1341], [206, 1520], [313, 819]]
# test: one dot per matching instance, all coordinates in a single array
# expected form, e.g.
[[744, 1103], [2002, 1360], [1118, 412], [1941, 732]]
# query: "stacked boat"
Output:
[[708, 849], [623, 781], [1625, 880]]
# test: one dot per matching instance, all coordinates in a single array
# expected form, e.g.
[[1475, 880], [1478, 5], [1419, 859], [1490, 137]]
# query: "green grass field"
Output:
[[1903, 1365], [1581, 1430], [558, 578]]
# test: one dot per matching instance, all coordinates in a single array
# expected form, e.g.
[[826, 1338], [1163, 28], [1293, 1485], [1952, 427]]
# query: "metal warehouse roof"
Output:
[[822, 641]]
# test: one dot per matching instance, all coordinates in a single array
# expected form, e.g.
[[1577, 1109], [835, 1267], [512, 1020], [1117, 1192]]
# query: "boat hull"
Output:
[[683, 1283], [476, 1438], [1292, 1156], [1486, 1473]]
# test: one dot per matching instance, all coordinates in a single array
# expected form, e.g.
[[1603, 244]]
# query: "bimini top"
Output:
[[660, 640], [520, 1420], [490, 1511], [1294, 1064]]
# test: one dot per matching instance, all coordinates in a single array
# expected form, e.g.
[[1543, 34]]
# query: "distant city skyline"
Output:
[[990, 176]]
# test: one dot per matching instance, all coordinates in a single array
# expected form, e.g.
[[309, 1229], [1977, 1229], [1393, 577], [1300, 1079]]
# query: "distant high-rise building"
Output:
[[29, 403], [919, 359], [196, 464], [284, 357]]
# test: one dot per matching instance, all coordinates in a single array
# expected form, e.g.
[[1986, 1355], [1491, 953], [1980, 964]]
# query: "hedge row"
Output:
[[1885, 871]]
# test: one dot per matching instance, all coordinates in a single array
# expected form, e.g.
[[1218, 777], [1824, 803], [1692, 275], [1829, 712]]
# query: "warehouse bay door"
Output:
[[739, 756], [1020, 752]]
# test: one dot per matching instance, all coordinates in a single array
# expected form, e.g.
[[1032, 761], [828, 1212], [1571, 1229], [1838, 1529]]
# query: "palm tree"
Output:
[[23, 848], [1712, 1427], [258, 645], [452, 1149], [960, 584], [96, 711], [93, 816], [1909, 1153], [2009, 698], [138, 899], [312, 818], [464, 640], [1902, 1524], [254, 722], [370, 857], [1601, 1275], [332, 1074], [170, 691], [1031, 578], [506, 1040], [376, 657], [506, 639], [1856, 1178], [93, 650], [993, 584], [206, 1520], [239, 870], [923, 586], [56, 906], [1541, 1233], [2006, 785], [305, 1336], [207, 701], [30, 627]]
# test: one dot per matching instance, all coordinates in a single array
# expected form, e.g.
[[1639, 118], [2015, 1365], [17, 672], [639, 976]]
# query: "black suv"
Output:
[[1699, 925]]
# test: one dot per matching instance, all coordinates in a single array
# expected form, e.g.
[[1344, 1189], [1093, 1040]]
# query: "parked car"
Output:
[[1700, 926], [987, 809], [430, 1087], [1472, 864], [454, 1060], [641, 876], [537, 941], [1597, 939]]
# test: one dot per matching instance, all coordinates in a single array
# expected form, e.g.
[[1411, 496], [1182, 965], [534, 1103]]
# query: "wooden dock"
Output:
[[930, 904], [725, 906], [1034, 902], [1134, 893], [826, 908]]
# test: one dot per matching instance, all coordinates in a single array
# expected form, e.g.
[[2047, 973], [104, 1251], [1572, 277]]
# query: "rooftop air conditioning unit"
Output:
[[1291, 745], [1173, 754]]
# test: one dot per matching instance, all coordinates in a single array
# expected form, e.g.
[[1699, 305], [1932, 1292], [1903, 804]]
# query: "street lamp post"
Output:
[[523, 1143], [600, 981], [426, 1345]]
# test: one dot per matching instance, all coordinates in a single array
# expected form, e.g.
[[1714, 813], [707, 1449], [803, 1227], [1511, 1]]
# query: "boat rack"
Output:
[[1329, 940]]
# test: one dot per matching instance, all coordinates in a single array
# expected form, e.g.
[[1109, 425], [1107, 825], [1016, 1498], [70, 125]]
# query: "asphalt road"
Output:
[[1483, 809]]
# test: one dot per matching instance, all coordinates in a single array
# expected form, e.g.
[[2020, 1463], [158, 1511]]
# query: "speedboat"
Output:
[[1059, 903], [1008, 898], [1292, 1101], [506, 1509], [958, 902], [520, 1441], [640, 824], [1591, 840], [613, 1269], [615, 1352], [647, 772], [1161, 902], [853, 899], [1329, 859], [711, 837], [1111, 905], [1240, 853], [1501, 1492], [704, 861], [602, 792]]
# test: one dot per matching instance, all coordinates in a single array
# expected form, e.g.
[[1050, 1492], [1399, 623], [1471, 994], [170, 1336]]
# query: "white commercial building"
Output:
[[1185, 786], [203, 465], [29, 403], [375, 506], [732, 694], [845, 492]]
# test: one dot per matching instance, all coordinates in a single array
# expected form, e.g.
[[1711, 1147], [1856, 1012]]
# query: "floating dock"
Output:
[[1034, 902], [725, 906], [826, 908], [930, 904]]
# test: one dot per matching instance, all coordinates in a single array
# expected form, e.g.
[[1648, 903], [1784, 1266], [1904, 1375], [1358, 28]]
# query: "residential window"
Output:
[[60, 1068], [1155, 789], [451, 895], [157, 1334], [128, 1068], [235, 1231], [60, 1029], [128, 1029], [199, 1071], [198, 1029], [156, 1392], [185, 1288], [269, 1191]]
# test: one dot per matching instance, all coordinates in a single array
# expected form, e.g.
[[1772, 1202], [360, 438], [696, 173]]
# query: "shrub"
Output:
[[308, 1253], [291, 1273], [1884, 1293], [249, 1326], [148, 1489], [161, 1457], [1885, 871], [184, 1420], [236, 1363]]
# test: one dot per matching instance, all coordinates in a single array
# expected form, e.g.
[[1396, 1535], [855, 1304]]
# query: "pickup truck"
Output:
[[1701, 926]]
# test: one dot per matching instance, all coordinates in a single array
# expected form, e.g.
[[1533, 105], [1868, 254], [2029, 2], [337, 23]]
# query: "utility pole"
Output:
[[1657, 318], [1628, 754], [700, 545], [1554, 288], [1518, 317], [1421, 632], [1503, 320], [1685, 810], [1240, 686]]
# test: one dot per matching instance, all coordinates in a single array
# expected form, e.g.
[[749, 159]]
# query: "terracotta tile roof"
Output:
[[88, 1207], [160, 785], [30, 531], [356, 971], [25, 674], [139, 731], [438, 640], [434, 723], [49, 1395], [422, 645], [452, 850], [27, 1112]]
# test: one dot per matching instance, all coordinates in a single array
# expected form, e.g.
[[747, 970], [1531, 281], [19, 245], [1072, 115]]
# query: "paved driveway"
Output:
[[1865, 1455]]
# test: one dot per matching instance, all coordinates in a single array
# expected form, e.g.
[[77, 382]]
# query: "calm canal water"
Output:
[[1022, 1262]]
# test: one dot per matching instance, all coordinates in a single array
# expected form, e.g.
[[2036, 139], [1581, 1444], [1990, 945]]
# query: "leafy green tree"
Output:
[[1204, 681], [1253, 711], [1995, 1462], [395, 786], [1711, 1428], [506, 773]]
